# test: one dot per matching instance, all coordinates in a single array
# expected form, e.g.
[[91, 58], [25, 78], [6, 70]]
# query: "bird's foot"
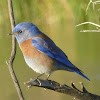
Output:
[[37, 79], [48, 77]]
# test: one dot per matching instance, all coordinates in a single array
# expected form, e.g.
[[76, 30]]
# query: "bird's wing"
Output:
[[49, 48]]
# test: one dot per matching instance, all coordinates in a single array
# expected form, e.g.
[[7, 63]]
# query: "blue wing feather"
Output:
[[54, 52]]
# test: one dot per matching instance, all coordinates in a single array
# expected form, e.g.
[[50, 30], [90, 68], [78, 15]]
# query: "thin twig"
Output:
[[97, 25], [88, 6], [94, 3], [13, 52]]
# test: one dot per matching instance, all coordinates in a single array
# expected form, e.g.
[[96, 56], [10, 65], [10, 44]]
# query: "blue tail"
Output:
[[76, 70]]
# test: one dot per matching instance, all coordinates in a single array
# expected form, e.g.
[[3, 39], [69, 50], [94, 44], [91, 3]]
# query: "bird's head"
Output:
[[24, 31]]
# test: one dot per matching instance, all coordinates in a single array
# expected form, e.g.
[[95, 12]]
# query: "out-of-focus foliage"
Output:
[[57, 19]]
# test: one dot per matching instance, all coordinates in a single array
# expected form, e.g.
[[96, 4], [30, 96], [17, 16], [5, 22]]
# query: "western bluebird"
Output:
[[40, 52]]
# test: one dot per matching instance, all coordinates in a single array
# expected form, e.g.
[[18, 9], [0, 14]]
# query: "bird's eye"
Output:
[[20, 31]]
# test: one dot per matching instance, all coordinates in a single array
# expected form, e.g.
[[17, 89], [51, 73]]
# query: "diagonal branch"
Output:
[[13, 52], [73, 91]]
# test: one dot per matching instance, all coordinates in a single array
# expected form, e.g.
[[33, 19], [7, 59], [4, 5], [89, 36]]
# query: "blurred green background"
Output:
[[57, 19]]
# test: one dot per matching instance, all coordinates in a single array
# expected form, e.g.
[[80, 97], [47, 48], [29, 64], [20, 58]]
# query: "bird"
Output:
[[40, 53]]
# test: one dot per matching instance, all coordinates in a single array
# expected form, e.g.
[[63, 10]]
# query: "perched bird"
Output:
[[40, 52]]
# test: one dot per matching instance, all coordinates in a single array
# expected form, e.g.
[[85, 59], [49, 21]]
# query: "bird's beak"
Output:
[[12, 33]]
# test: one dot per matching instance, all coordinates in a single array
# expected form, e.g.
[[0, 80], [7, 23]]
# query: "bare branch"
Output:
[[97, 26], [94, 3], [13, 52], [52, 85], [90, 30], [88, 23], [88, 6]]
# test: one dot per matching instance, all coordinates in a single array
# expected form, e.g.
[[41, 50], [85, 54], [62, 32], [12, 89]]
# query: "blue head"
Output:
[[25, 30]]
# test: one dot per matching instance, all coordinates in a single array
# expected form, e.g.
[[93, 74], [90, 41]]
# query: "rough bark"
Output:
[[72, 91]]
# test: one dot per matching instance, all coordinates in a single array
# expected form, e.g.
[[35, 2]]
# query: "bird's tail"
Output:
[[70, 67], [78, 71]]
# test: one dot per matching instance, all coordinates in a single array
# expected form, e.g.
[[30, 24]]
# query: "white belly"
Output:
[[36, 66]]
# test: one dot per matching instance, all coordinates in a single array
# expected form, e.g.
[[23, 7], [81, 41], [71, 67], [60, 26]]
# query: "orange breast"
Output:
[[28, 49], [41, 58]]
